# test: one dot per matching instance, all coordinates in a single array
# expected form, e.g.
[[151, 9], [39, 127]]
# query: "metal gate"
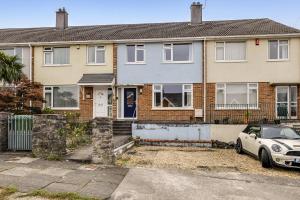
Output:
[[20, 132]]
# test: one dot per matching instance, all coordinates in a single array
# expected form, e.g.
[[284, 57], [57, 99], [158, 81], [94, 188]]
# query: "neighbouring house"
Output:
[[229, 71]]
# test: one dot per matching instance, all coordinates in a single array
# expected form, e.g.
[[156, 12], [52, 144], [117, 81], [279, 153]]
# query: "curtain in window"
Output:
[[235, 51], [61, 55], [283, 49], [91, 55], [100, 56], [236, 94]]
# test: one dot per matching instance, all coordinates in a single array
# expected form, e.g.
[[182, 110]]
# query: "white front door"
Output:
[[100, 102]]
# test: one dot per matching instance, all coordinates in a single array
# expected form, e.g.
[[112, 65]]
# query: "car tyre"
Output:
[[265, 159], [239, 146]]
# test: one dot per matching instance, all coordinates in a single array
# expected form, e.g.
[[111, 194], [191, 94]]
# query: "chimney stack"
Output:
[[61, 19], [196, 13]]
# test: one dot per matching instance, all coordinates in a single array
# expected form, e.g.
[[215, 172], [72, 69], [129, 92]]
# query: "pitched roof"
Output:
[[146, 31], [96, 78]]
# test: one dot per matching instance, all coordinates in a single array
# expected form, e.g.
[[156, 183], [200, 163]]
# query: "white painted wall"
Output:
[[226, 133]]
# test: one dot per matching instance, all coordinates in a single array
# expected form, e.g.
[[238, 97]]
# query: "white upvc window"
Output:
[[172, 96], [136, 54], [96, 55], [56, 55], [14, 51], [230, 51], [236, 95], [61, 97], [278, 50], [178, 53]]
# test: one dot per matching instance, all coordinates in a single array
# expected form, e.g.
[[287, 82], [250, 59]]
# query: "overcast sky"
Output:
[[37, 13]]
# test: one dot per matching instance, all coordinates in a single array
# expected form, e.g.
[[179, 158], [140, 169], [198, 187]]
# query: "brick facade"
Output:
[[266, 111], [115, 71], [146, 113]]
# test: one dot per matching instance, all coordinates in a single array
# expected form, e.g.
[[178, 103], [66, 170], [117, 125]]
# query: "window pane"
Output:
[[19, 53], [168, 54], [109, 96], [91, 55], [253, 97], [188, 99], [172, 96], [66, 96], [157, 99], [130, 53], [220, 53], [283, 50], [236, 94], [9, 52], [157, 87], [282, 94], [100, 56], [181, 52], [61, 55], [48, 58], [293, 94], [140, 55], [273, 49], [235, 51], [48, 100], [220, 96]]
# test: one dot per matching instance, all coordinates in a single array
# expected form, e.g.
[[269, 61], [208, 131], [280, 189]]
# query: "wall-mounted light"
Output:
[[257, 42], [141, 90], [78, 46]]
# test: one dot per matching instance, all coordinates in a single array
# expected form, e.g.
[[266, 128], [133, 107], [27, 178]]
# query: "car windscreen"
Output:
[[279, 133]]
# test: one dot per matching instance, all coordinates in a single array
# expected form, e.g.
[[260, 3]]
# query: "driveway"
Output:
[[166, 184]]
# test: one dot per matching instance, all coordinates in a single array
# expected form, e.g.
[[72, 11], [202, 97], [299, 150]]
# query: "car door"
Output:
[[254, 143], [244, 137]]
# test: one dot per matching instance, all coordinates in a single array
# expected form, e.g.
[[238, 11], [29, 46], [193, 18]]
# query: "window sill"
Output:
[[241, 108], [58, 65], [166, 109], [97, 64], [278, 60], [231, 61], [178, 62], [136, 63]]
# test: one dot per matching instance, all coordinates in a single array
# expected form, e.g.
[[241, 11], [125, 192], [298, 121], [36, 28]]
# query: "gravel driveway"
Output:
[[200, 159]]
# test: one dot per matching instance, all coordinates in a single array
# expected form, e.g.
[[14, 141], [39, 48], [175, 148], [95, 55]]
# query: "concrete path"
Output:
[[29, 174], [141, 183]]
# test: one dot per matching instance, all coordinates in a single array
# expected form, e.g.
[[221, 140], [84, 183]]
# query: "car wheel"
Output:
[[239, 146], [265, 159]]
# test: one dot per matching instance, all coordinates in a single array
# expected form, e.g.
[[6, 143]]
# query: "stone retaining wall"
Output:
[[4, 130], [102, 141], [48, 137]]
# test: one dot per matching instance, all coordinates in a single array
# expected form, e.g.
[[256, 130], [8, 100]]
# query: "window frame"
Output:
[[52, 56], [15, 51], [135, 54], [95, 52], [191, 56], [224, 53], [227, 106], [182, 98], [52, 98], [278, 51]]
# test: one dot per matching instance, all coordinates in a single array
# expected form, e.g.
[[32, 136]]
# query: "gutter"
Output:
[[204, 80], [30, 63]]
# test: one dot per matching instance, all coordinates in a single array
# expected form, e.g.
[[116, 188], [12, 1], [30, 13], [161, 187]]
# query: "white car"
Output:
[[273, 145]]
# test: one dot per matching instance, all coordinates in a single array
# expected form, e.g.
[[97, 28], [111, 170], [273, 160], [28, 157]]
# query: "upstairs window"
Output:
[[96, 55], [278, 49], [13, 52], [172, 95], [230, 51], [177, 53], [56, 55], [135, 54]]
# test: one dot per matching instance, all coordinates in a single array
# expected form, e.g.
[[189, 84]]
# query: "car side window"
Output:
[[247, 129], [256, 130]]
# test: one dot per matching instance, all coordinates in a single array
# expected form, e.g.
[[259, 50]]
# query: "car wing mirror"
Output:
[[253, 135]]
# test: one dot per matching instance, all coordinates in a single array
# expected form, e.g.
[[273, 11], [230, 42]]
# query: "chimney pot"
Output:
[[196, 13], [61, 19]]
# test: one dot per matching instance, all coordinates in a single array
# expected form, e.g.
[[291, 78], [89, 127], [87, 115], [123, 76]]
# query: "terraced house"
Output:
[[178, 72]]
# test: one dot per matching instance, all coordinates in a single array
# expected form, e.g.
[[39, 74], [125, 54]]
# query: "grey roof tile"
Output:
[[146, 31], [96, 78]]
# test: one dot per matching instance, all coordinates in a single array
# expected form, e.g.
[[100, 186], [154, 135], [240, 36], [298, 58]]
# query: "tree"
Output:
[[19, 98], [10, 69]]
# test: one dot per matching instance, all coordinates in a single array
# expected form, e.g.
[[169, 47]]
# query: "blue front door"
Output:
[[129, 102]]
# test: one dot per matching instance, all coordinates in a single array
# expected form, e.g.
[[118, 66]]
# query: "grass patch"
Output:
[[57, 196], [6, 192]]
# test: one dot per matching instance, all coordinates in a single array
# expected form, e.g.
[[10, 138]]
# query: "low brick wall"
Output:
[[102, 141], [4, 130], [48, 137]]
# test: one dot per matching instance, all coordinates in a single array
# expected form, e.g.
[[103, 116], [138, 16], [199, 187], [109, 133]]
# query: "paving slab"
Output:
[[101, 190], [22, 160], [52, 171], [62, 187], [20, 171], [88, 167]]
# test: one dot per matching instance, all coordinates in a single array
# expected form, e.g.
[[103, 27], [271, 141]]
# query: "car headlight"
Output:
[[276, 148]]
